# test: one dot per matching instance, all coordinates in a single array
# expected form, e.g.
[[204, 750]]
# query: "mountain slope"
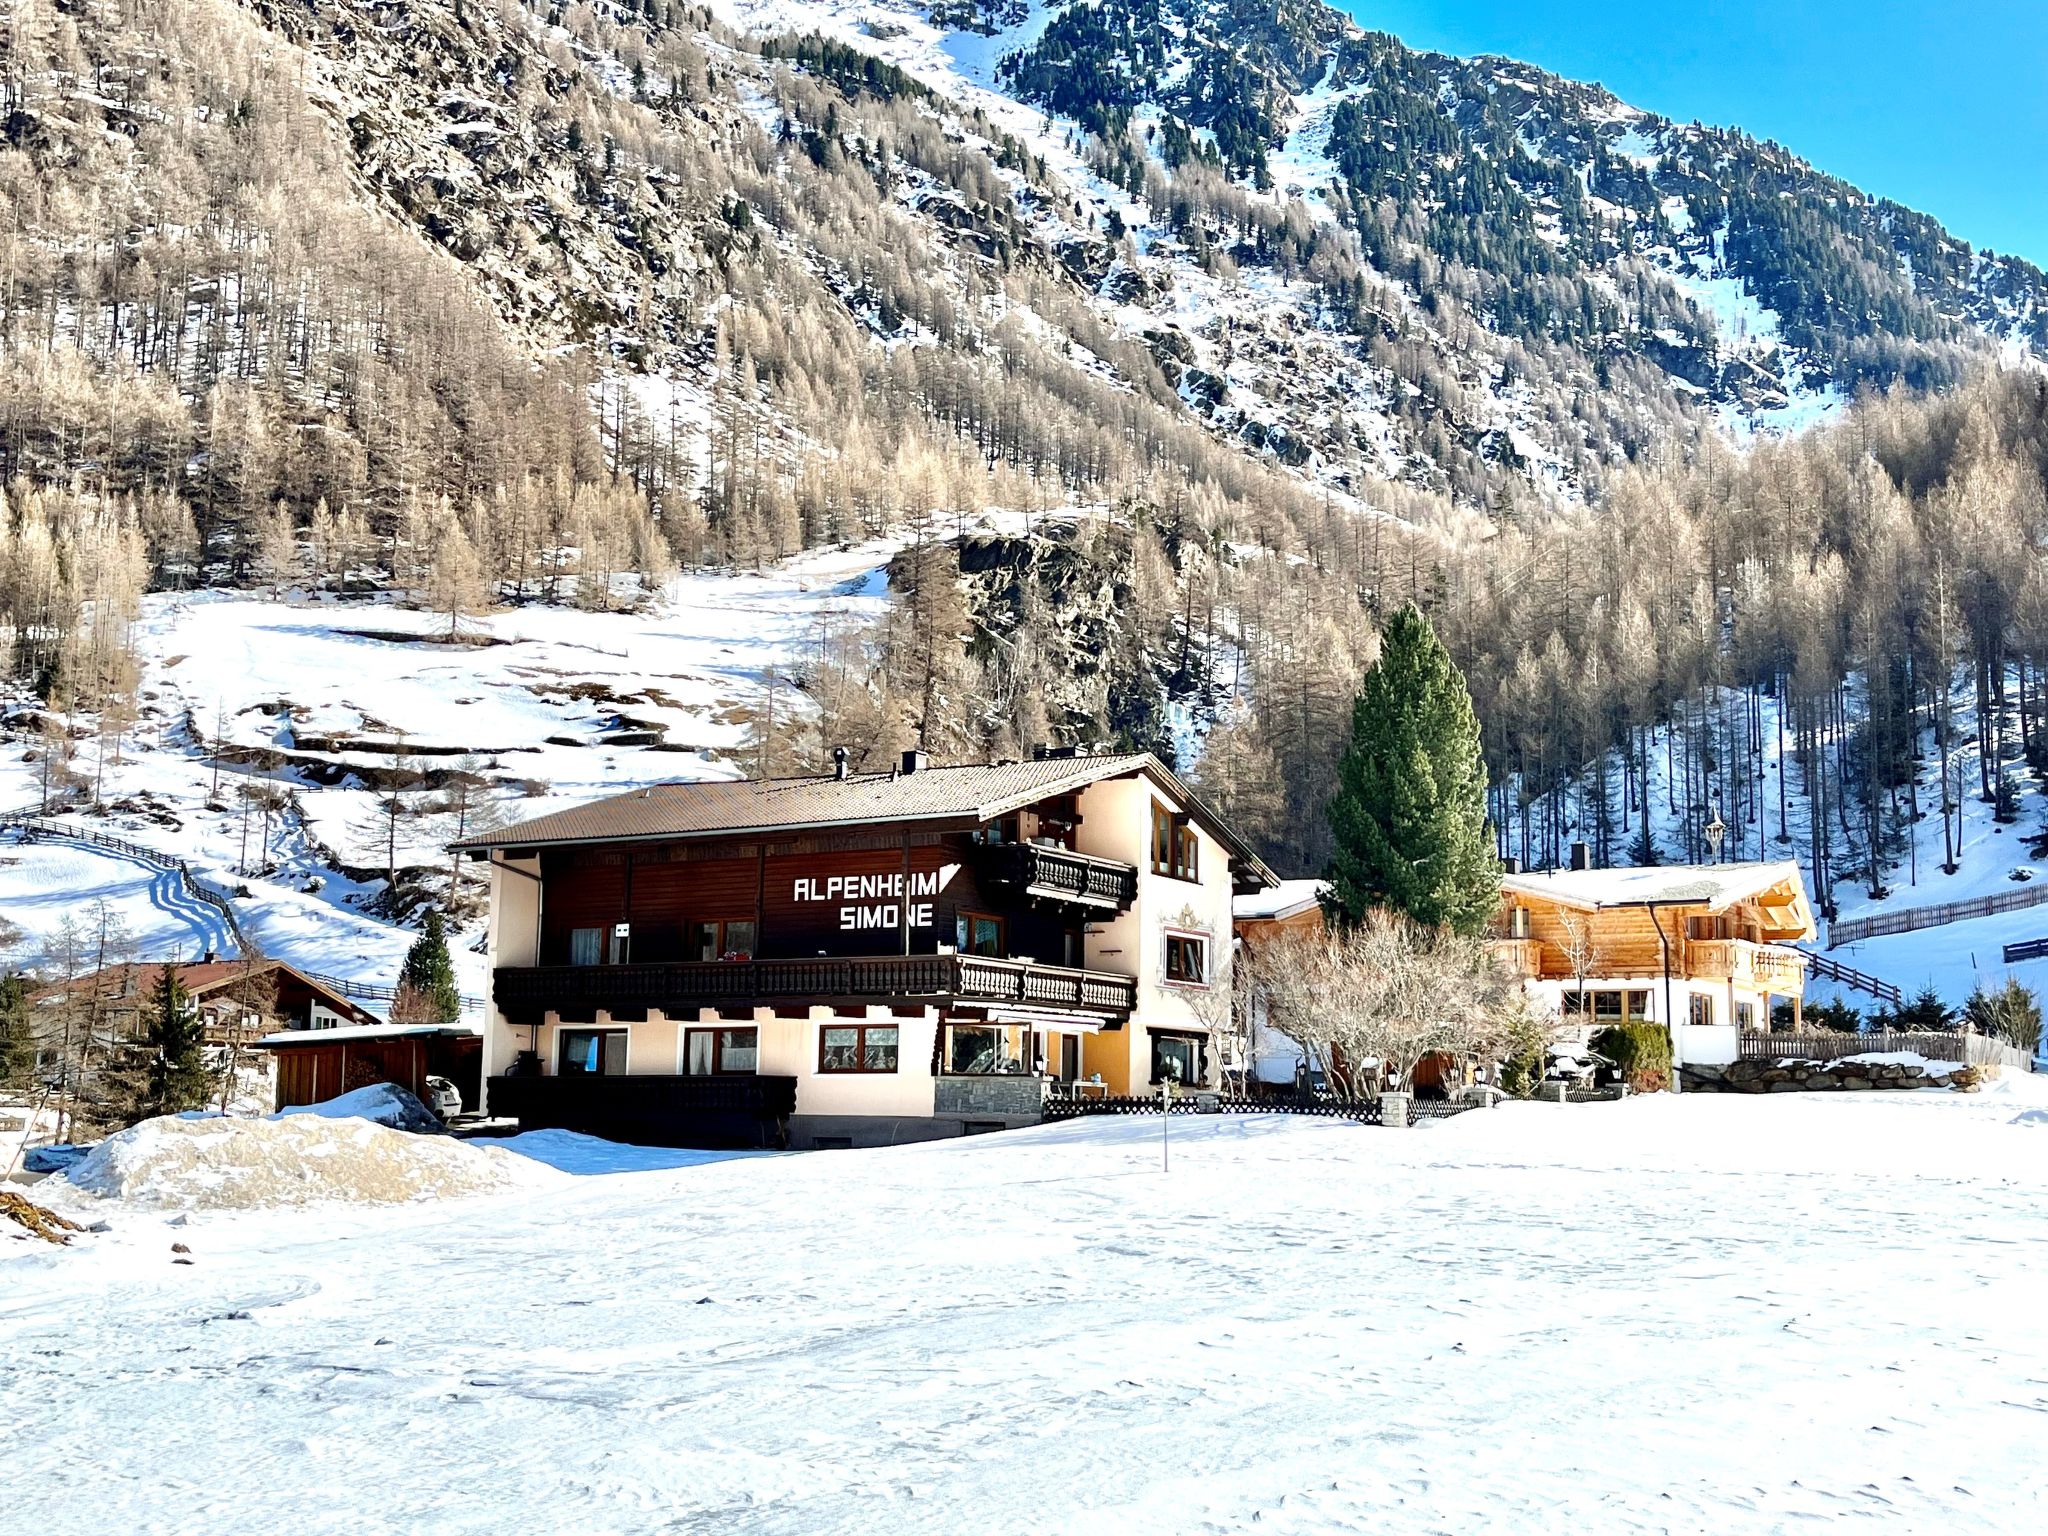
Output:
[[774, 244]]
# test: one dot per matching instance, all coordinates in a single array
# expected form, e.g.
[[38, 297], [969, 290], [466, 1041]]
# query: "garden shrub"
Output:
[[1641, 1053]]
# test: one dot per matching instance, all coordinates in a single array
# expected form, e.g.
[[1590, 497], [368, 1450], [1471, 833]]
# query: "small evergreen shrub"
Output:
[[1520, 1076], [1641, 1053]]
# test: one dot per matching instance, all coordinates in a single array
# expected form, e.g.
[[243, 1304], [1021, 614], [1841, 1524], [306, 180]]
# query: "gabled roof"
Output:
[[1777, 886], [346, 1034], [133, 980], [751, 807], [1278, 902]]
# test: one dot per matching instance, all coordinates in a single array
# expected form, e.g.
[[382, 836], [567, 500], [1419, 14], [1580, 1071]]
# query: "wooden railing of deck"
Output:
[[524, 993]]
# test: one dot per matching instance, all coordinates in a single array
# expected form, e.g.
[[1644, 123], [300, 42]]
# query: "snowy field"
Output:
[[1705, 1314], [350, 688]]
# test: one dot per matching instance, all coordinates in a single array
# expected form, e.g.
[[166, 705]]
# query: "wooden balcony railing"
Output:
[[1524, 957], [1771, 966], [1031, 869], [525, 993]]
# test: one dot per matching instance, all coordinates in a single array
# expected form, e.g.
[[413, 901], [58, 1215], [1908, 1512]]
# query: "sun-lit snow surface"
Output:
[[294, 675], [1704, 1314]]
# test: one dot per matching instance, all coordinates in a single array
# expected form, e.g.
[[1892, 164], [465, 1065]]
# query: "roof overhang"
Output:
[[1250, 871]]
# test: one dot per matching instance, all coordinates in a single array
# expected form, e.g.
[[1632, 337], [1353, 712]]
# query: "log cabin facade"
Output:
[[849, 959], [1704, 950]]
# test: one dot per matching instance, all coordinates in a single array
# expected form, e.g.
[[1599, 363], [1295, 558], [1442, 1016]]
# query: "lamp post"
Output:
[[1715, 832]]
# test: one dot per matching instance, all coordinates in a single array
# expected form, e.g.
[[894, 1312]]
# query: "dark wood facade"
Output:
[[835, 896]]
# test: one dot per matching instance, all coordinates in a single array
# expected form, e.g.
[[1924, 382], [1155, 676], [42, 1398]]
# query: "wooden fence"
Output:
[[1852, 929], [1975, 1049], [1849, 976], [2026, 949]]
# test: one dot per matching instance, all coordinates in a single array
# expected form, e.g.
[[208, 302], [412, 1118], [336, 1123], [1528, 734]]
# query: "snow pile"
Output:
[[299, 1160], [380, 1104]]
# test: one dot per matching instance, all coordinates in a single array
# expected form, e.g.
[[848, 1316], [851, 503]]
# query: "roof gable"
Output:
[[1778, 887]]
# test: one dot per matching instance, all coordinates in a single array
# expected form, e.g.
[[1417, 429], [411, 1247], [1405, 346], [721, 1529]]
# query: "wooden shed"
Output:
[[315, 1065]]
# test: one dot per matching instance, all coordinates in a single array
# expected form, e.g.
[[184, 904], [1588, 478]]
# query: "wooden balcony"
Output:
[[1053, 874], [1522, 957], [652, 1110], [524, 994], [1770, 967]]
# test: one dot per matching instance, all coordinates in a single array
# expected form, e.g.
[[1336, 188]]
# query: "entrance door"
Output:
[[1070, 1057]]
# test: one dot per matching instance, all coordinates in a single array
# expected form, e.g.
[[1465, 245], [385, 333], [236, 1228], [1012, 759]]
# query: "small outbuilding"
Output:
[[315, 1065]]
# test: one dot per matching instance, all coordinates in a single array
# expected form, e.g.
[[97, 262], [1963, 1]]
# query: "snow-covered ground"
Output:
[[1695, 1314], [357, 686]]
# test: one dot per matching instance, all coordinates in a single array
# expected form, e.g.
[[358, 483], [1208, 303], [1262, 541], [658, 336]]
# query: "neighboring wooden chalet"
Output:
[[859, 958], [1703, 949], [238, 1000]]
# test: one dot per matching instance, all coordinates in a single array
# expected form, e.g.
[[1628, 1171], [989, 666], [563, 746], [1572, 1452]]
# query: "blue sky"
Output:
[[1937, 104]]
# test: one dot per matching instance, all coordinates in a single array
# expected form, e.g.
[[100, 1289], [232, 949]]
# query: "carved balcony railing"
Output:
[[524, 994], [1054, 874], [1773, 967]]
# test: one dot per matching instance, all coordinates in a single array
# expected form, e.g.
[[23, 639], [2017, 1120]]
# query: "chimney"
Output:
[[1511, 865], [915, 762], [839, 762], [1582, 856]]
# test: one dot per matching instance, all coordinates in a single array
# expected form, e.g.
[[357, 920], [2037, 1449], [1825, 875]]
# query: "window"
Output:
[[976, 933], [1518, 922], [586, 946], [1073, 949], [1745, 1017], [1176, 1057], [717, 1052], [980, 1050], [857, 1048], [592, 1052], [1187, 958], [1174, 845], [1607, 1006], [1699, 1009], [722, 941]]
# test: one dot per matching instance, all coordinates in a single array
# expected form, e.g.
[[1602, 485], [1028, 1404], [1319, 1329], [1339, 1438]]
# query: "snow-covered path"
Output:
[[1706, 1314], [42, 881]]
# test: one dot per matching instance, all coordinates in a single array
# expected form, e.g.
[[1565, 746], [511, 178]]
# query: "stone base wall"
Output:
[[1783, 1075], [1016, 1095]]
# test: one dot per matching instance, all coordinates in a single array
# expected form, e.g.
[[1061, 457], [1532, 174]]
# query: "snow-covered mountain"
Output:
[[298, 286], [1231, 232]]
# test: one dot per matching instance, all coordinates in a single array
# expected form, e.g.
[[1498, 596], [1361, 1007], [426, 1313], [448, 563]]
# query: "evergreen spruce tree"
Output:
[[1409, 814], [177, 1072], [17, 1042], [430, 974]]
